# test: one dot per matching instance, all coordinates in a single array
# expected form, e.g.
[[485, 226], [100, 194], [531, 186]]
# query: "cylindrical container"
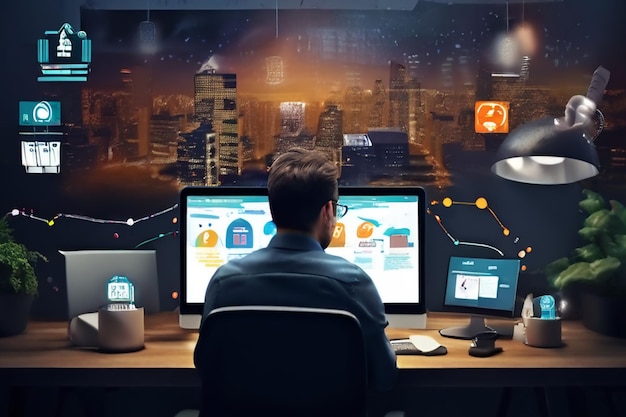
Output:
[[544, 333], [120, 330]]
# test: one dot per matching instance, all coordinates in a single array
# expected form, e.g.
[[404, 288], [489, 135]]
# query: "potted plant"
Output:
[[598, 268], [18, 282]]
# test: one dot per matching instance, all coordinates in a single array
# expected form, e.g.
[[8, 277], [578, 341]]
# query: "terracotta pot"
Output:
[[605, 314], [14, 313]]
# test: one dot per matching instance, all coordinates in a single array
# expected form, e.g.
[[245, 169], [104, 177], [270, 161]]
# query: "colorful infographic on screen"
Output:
[[220, 229], [379, 233]]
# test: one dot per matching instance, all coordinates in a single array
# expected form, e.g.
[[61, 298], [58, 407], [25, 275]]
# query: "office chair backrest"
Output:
[[281, 361]]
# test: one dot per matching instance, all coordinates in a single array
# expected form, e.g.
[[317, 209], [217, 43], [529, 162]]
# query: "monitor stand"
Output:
[[407, 321], [189, 321], [475, 326]]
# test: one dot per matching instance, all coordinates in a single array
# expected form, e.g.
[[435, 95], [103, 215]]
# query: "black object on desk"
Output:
[[484, 345]]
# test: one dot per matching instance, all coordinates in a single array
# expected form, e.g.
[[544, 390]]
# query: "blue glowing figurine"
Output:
[[547, 307]]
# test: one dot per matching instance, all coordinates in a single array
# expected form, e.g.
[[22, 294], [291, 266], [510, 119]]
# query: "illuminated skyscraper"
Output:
[[358, 160], [398, 97], [215, 101], [291, 118], [329, 133], [525, 69], [379, 101], [416, 111], [354, 106], [197, 164], [292, 128]]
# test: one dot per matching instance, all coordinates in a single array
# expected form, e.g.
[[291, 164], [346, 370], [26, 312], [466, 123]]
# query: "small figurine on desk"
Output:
[[120, 323], [543, 331], [546, 303]]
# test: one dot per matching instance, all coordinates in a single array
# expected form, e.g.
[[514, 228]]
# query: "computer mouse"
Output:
[[484, 345]]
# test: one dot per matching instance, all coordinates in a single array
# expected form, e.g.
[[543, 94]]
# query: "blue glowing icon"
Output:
[[120, 290], [40, 113], [546, 302], [64, 55]]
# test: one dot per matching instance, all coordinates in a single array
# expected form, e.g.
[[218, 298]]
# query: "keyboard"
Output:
[[418, 345], [405, 348]]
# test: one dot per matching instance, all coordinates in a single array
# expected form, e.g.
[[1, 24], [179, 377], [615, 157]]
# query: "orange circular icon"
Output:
[[365, 230], [208, 239], [491, 117]]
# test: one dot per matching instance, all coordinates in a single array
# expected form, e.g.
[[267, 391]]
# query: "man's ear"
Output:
[[327, 210]]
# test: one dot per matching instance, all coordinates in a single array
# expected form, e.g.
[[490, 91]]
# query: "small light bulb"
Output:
[[548, 160], [516, 163]]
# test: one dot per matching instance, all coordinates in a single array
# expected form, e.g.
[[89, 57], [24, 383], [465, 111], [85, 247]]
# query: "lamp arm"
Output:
[[598, 84], [581, 109]]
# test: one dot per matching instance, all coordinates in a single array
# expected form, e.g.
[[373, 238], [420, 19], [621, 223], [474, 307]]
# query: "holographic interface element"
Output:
[[64, 55]]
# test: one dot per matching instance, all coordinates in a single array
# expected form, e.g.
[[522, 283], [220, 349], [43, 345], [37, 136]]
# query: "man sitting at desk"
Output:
[[294, 270]]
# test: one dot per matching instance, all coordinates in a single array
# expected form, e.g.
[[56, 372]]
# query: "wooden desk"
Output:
[[43, 356]]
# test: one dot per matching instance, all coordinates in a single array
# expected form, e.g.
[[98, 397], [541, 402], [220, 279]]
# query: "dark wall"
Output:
[[542, 220]]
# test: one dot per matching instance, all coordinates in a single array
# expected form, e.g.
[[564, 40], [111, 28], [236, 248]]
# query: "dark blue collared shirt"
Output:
[[294, 270]]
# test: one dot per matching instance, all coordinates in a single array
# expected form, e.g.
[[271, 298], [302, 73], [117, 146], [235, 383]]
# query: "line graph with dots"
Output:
[[480, 203]]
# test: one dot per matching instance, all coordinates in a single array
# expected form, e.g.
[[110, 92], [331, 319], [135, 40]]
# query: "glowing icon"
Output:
[[239, 234], [365, 230], [491, 117], [339, 236], [64, 55], [207, 239], [120, 290], [40, 113], [269, 229], [40, 157]]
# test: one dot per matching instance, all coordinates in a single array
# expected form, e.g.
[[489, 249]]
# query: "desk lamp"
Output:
[[553, 151]]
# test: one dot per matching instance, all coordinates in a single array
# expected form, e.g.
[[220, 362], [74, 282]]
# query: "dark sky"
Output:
[[565, 40]]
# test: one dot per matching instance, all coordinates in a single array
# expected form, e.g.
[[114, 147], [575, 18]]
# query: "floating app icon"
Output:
[[40, 113], [64, 55], [491, 117], [41, 157]]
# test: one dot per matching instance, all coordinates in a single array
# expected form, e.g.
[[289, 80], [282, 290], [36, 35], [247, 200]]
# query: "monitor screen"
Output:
[[382, 232], [480, 287], [219, 224]]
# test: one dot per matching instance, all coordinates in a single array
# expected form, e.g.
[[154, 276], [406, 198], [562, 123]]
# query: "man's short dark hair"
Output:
[[300, 182]]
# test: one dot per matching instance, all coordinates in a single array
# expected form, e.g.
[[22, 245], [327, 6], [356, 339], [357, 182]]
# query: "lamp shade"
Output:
[[546, 152]]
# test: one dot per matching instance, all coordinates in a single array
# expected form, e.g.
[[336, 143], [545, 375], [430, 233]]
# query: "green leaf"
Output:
[[17, 273], [593, 202], [588, 253], [618, 210], [605, 220]]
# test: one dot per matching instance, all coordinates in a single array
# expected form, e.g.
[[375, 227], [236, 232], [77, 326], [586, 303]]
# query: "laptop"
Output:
[[88, 271]]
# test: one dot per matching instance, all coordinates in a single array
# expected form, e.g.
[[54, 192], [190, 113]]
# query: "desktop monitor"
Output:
[[382, 232], [482, 288]]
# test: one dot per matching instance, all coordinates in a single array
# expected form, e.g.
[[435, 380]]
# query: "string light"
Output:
[[129, 222], [51, 222]]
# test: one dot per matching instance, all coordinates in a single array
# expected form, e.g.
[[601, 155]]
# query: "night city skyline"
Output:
[[419, 72]]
